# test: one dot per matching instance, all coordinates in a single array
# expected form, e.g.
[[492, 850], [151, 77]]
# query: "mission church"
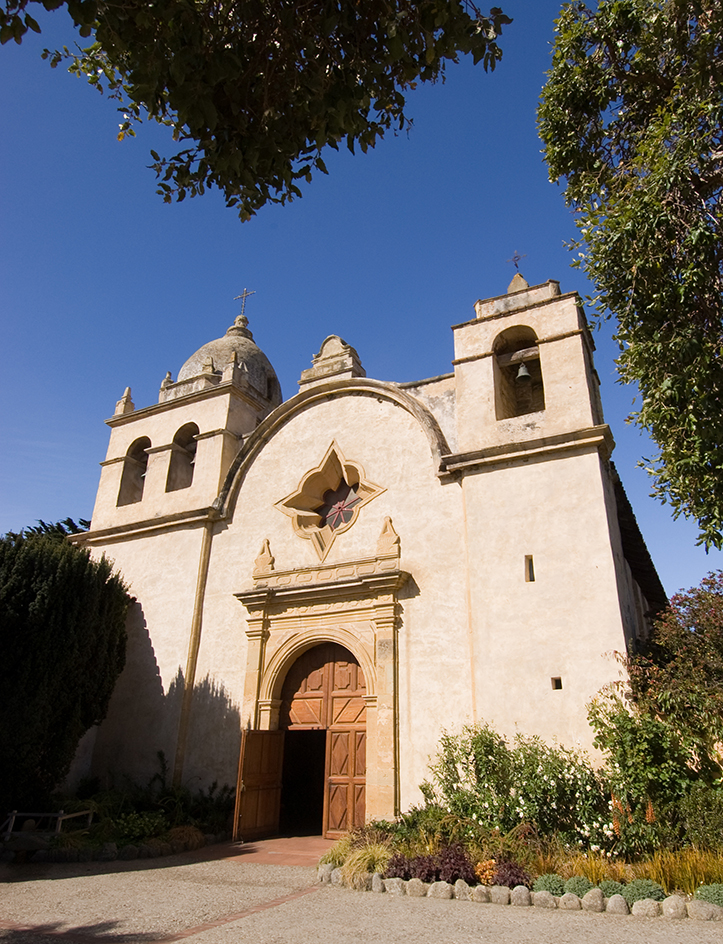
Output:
[[324, 584]]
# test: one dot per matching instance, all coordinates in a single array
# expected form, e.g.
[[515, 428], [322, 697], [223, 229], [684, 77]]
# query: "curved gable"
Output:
[[355, 387]]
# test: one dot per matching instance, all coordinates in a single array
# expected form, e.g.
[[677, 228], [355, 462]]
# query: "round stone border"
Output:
[[674, 907]]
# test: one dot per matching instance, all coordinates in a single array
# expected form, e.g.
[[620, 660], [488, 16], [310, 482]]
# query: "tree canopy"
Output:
[[632, 119], [678, 675], [662, 728], [62, 647], [255, 90]]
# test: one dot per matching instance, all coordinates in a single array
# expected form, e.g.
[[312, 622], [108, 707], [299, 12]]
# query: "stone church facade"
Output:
[[324, 584]]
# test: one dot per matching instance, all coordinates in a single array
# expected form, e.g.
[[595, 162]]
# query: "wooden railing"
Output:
[[60, 817]]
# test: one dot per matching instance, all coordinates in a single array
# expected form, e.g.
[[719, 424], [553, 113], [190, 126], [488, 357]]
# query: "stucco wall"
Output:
[[396, 455], [563, 625]]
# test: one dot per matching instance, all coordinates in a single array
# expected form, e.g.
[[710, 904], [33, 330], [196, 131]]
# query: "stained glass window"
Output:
[[338, 506]]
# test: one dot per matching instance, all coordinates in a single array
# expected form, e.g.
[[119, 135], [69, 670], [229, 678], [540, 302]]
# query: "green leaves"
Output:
[[632, 118], [256, 89]]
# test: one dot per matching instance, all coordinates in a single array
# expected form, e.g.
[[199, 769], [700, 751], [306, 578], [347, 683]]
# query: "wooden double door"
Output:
[[310, 775]]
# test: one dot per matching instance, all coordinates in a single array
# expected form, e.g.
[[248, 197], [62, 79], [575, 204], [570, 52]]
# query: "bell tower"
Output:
[[166, 463], [524, 368]]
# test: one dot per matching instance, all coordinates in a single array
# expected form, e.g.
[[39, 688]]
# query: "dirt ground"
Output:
[[221, 895]]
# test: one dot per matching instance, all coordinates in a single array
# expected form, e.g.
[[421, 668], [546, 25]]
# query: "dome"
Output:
[[238, 341]]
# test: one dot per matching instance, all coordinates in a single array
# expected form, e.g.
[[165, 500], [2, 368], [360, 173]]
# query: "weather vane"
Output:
[[517, 258], [243, 296]]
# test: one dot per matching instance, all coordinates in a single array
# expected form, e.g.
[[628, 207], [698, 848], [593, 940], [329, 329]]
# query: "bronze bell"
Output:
[[523, 375]]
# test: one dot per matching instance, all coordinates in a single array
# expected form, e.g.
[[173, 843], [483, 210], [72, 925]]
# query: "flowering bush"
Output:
[[478, 776], [649, 771]]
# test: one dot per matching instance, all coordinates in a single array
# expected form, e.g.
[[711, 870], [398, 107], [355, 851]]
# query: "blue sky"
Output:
[[104, 286]]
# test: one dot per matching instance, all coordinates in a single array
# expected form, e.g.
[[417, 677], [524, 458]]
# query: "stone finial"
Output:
[[518, 284], [335, 359], [264, 563], [389, 544], [240, 326], [167, 380], [208, 365], [229, 371], [125, 404]]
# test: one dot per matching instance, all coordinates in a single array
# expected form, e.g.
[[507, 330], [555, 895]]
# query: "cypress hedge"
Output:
[[62, 648]]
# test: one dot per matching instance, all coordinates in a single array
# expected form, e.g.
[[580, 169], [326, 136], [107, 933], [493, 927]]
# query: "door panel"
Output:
[[325, 689], [337, 821], [360, 756], [339, 760], [307, 712], [258, 788]]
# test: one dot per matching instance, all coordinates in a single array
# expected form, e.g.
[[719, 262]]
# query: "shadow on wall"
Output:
[[143, 720], [214, 736]]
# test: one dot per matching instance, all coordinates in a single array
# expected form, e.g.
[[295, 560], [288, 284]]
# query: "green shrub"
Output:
[[641, 888], [137, 827], [702, 813], [609, 888], [711, 893], [550, 882], [578, 885]]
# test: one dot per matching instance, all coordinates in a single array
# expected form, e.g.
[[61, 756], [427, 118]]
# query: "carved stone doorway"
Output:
[[324, 691]]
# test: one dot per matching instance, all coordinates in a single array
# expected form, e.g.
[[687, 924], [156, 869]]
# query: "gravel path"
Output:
[[232, 902]]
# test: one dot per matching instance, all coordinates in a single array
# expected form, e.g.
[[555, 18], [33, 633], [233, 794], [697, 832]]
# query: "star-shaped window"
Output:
[[328, 500], [338, 506]]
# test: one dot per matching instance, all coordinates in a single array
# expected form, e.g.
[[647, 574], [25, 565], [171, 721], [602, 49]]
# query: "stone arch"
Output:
[[519, 387], [278, 666]]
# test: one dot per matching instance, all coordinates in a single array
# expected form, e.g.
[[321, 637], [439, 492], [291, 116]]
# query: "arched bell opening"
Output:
[[135, 465], [183, 458], [519, 387]]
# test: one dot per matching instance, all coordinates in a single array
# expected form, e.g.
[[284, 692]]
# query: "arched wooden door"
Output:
[[324, 689]]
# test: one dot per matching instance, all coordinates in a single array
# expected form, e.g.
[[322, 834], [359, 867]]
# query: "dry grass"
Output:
[[339, 852], [190, 835], [597, 868], [372, 857], [681, 871]]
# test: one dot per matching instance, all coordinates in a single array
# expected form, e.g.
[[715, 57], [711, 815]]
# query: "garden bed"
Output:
[[673, 907]]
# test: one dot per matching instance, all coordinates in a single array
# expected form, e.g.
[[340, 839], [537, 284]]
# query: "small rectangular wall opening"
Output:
[[529, 569], [556, 684]]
